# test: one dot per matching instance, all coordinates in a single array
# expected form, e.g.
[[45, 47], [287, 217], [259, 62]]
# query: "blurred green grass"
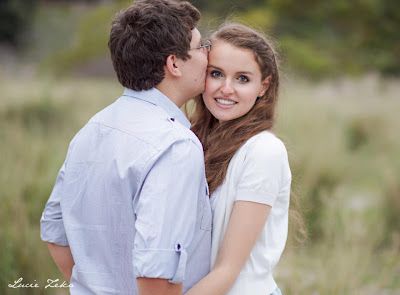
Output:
[[343, 146]]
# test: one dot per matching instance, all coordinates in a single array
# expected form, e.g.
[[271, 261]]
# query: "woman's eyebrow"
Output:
[[245, 73], [215, 67], [237, 73]]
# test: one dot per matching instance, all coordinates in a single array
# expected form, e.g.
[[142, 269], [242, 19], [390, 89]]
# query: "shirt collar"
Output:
[[156, 97]]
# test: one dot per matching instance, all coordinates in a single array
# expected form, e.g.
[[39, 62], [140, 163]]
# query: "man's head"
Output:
[[145, 34]]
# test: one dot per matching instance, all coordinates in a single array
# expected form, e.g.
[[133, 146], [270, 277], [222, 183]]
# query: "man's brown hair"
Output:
[[145, 34]]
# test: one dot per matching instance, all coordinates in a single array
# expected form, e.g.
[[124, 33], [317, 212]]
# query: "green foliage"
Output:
[[323, 38], [392, 205], [318, 38], [15, 17], [53, 29], [361, 129], [90, 42], [41, 115], [225, 8], [306, 58], [263, 17]]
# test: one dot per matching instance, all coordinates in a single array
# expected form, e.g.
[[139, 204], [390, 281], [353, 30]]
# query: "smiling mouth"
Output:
[[225, 102]]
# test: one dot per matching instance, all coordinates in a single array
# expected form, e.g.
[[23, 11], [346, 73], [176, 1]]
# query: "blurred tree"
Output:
[[318, 38], [90, 40], [225, 8], [355, 35], [15, 17]]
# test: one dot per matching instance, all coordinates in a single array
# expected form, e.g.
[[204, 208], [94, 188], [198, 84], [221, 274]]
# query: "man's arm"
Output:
[[63, 258], [148, 286], [52, 229], [166, 218]]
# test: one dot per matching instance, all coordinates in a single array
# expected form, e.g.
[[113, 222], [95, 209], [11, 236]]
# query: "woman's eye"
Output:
[[243, 79], [216, 74]]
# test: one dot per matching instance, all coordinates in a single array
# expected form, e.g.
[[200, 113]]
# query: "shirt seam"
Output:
[[178, 136], [151, 159], [259, 193], [160, 107]]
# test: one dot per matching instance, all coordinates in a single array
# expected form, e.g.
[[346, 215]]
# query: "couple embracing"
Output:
[[148, 202]]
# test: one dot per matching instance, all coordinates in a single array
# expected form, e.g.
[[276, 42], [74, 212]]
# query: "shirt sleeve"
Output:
[[263, 171], [51, 224], [166, 212], [52, 228]]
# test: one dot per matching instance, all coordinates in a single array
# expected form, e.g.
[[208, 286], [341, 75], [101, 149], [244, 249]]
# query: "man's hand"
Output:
[[63, 258], [148, 286]]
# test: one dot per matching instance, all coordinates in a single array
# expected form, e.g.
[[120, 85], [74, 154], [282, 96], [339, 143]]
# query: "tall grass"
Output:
[[343, 143], [343, 146], [38, 120]]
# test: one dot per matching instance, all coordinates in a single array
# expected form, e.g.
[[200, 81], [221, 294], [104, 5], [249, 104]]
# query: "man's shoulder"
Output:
[[144, 122], [184, 133]]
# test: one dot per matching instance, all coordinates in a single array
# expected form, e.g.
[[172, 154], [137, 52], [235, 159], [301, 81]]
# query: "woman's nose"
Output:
[[227, 88]]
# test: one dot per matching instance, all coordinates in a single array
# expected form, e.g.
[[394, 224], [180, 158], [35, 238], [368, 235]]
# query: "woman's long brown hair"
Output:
[[222, 140]]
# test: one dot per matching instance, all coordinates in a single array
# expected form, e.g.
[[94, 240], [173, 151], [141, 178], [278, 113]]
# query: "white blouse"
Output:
[[258, 172]]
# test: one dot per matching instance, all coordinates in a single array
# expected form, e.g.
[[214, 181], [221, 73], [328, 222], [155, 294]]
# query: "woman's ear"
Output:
[[171, 66], [265, 86]]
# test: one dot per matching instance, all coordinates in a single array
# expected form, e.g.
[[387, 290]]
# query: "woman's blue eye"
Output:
[[216, 74], [243, 79]]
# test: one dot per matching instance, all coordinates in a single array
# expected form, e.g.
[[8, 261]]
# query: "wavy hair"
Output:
[[222, 140]]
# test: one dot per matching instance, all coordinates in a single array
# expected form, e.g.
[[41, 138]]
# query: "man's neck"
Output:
[[172, 92]]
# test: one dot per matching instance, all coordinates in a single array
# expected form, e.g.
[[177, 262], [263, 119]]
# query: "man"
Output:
[[130, 212]]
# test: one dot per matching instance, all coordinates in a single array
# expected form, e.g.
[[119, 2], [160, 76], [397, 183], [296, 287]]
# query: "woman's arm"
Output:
[[245, 225]]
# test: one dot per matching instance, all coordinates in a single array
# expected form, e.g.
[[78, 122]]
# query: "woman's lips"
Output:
[[225, 103]]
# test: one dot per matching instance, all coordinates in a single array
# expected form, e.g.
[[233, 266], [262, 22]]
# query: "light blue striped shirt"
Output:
[[131, 199]]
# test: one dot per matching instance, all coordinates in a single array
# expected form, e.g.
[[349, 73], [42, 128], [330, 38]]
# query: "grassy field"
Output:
[[343, 146]]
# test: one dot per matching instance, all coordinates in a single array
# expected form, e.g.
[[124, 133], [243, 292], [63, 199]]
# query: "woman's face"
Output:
[[233, 81]]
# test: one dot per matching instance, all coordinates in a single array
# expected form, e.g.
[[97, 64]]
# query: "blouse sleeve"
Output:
[[264, 169]]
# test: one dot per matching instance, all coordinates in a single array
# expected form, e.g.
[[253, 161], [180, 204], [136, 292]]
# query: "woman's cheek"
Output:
[[211, 84]]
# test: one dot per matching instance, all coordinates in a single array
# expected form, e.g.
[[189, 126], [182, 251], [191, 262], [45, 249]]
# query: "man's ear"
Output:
[[172, 66]]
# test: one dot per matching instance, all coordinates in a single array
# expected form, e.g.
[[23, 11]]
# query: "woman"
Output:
[[246, 165]]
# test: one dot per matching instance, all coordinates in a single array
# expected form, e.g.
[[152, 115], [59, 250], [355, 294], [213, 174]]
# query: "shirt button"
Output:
[[172, 119]]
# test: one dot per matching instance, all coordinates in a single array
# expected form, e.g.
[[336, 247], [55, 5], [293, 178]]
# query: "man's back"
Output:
[[133, 198]]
